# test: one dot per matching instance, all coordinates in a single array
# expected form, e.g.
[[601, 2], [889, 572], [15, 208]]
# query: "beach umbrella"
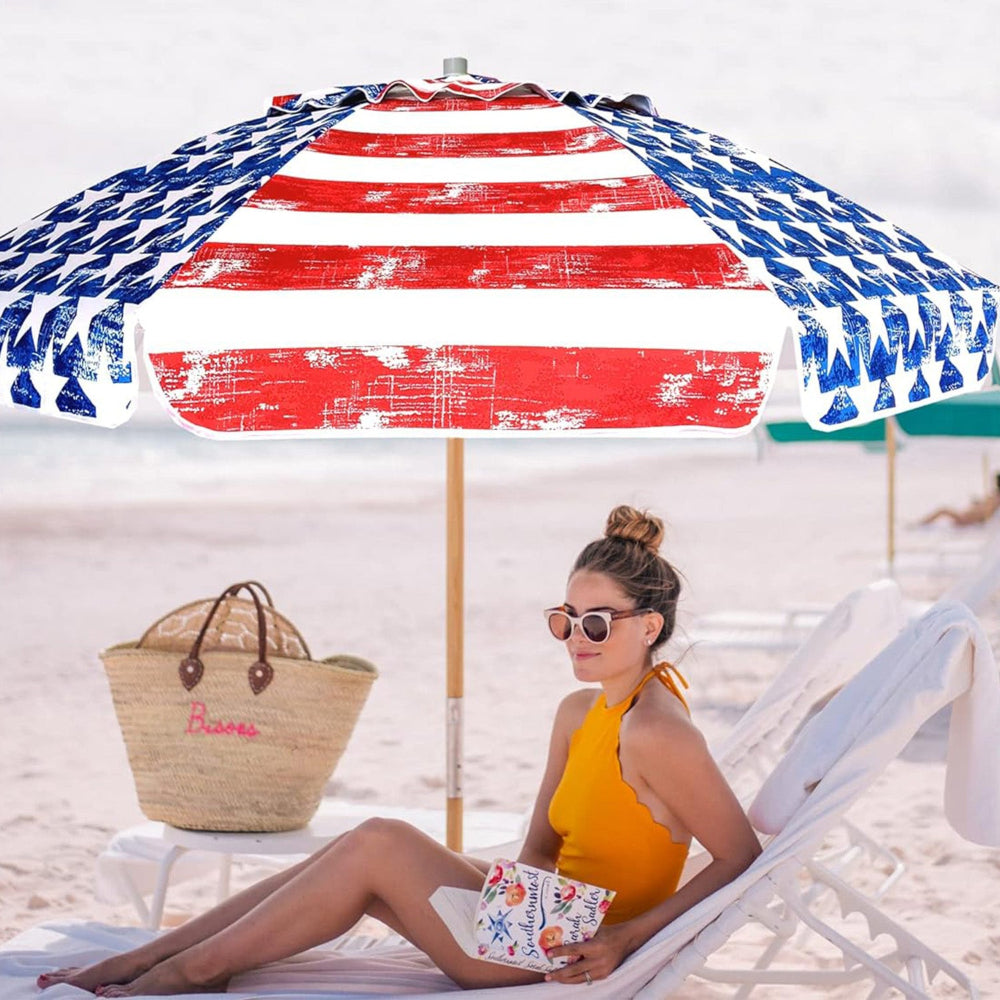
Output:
[[463, 256]]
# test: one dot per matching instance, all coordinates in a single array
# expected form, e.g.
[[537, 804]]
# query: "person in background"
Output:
[[980, 510]]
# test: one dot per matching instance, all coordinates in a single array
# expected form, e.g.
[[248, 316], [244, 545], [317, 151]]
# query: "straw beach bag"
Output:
[[228, 722]]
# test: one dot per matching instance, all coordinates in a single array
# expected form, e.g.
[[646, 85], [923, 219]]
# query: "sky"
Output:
[[894, 104]]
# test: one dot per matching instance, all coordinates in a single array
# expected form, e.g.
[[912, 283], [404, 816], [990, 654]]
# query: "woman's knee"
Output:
[[374, 847], [380, 835]]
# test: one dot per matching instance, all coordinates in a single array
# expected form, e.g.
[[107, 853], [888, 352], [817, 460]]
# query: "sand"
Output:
[[100, 534]]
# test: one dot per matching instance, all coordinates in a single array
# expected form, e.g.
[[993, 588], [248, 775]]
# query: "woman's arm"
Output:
[[541, 843], [694, 791]]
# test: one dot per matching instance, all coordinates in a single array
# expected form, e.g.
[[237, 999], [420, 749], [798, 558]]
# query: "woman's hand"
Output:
[[593, 959]]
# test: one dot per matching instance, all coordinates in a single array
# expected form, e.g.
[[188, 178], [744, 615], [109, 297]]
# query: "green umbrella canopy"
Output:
[[796, 431], [974, 415]]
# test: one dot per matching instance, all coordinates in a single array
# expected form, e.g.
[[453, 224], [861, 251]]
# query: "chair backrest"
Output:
[[843, 642]]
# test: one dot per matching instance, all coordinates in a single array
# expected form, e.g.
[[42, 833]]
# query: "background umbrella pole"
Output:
[[890, 451], [454, 626]]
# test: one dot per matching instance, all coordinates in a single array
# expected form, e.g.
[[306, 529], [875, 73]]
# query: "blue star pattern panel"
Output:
[[884, 324], [71, 278]]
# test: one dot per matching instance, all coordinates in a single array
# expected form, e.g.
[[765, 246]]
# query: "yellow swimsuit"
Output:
[[609, 838]]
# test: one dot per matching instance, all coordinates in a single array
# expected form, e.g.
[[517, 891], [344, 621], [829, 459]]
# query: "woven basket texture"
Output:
[[195, 768]]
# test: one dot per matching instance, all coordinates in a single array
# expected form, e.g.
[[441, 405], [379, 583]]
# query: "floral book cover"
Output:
[[520, 913]]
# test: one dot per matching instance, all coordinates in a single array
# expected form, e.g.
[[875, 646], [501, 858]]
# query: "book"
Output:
[[520, 913]]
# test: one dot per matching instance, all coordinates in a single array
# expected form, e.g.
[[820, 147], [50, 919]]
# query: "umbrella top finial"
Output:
[[456, 66]]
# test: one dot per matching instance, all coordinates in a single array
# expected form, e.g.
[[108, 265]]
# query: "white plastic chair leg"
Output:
[[225, 877], [162, 884]]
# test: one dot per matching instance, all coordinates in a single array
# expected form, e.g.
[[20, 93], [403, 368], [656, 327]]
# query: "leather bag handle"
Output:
[[270, 603], [246, 585], [260, 673]]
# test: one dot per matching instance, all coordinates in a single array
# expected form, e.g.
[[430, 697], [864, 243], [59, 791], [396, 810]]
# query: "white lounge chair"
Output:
[[774, 631], [979, 586], [971, 571], [943, 658], [947, 553]]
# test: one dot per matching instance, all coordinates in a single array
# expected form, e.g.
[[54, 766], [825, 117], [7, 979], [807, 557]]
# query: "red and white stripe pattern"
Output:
[[462, 266]]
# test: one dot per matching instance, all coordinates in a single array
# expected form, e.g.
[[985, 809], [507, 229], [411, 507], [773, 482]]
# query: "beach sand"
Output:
[[353, 550]]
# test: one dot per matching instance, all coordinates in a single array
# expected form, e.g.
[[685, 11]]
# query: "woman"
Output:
[[979, 511], [629, 781]]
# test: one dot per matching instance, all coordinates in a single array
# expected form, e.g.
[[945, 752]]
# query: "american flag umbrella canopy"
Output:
[[459, 256]]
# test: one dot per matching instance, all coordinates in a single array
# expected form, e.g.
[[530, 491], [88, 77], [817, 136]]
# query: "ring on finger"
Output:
[[586, 976]]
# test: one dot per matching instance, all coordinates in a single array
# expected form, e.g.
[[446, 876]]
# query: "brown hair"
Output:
[[629, 554]]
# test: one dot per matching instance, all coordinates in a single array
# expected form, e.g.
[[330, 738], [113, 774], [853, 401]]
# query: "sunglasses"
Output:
[[595, 625]]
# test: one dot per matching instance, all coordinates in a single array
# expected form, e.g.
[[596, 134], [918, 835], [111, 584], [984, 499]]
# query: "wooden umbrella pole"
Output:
[[454, 626], [890, 451]]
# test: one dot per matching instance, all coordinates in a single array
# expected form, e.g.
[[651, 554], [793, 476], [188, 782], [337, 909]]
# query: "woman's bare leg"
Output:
[[127, 966], [939, 513], [384, 867]]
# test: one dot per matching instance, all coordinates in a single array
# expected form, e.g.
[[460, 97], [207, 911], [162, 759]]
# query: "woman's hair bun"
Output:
[[636, 526]]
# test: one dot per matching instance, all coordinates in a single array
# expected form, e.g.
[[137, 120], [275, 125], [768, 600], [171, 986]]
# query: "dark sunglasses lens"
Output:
[[560, 625], [595, 628]]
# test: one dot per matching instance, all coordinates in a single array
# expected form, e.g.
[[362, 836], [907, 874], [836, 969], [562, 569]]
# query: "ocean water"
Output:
[[50, 462]]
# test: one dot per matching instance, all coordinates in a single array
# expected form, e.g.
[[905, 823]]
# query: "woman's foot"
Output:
[[168, 977], [117, 969], [47, 979]]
